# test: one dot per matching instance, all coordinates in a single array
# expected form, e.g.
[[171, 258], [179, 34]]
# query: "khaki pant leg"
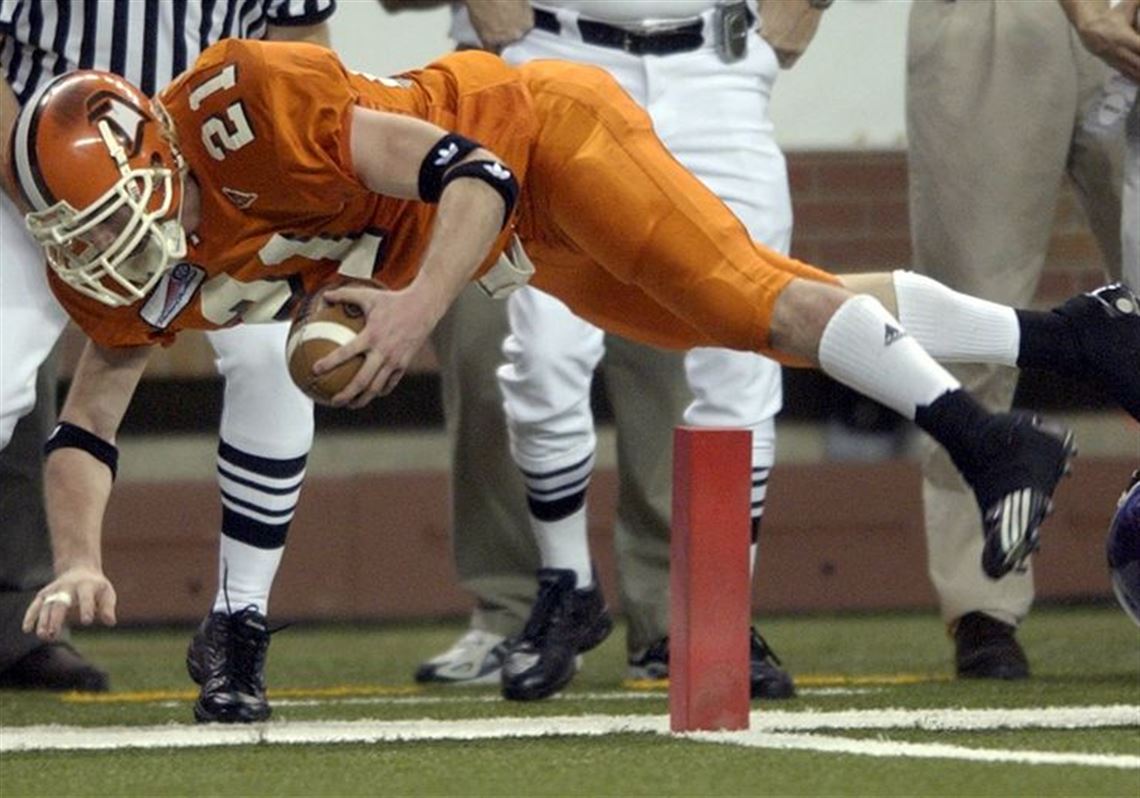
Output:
[[1130, 227], [648, 391], [993, 92], [25, 546], [495, 553]]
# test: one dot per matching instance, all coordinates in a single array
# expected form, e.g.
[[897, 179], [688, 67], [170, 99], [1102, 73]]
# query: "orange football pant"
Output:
[[626, 237]]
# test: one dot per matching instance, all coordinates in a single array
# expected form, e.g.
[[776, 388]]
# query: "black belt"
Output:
[[678, 40]]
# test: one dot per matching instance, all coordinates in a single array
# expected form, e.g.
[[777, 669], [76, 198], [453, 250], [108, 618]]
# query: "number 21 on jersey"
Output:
[[226, 132]]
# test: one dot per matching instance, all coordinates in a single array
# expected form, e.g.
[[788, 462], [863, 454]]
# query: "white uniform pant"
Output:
[[264, 413], [714, 119]]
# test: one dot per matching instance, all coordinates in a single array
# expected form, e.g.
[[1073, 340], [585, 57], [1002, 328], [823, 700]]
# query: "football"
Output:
[[320, 327]]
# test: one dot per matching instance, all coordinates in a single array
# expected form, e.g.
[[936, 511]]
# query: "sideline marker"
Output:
[[709, 580]]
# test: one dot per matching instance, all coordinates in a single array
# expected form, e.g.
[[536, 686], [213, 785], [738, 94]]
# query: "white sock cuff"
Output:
[[955, 327], [867, 349], [565, 544], [245, 576]]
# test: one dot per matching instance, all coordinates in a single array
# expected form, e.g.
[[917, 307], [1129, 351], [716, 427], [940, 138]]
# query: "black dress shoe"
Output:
[[985, 648], [54, 666]]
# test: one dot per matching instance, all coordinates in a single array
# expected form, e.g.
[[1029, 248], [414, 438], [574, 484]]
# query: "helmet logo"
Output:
[[124, 119]]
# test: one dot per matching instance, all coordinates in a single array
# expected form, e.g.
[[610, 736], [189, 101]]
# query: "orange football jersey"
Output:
[[264, 128]]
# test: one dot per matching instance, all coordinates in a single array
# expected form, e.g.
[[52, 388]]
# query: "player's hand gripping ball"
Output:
[[318, 329]]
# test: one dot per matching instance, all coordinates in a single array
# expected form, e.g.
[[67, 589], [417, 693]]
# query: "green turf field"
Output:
[[884, 720]]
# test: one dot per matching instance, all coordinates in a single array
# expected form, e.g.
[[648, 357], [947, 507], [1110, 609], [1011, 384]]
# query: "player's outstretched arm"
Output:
[[78, 474], [389, 153]]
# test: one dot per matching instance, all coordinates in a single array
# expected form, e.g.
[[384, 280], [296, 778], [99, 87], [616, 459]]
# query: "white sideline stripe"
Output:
[[886, 748], [766, 726], [57, 738]]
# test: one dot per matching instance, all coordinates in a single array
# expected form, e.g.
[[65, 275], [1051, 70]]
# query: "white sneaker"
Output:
[[476, 658]]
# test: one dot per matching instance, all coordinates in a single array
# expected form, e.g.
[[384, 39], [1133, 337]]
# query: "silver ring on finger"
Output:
[[59, 597]]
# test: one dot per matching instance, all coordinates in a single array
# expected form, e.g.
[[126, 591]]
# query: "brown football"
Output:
[[319, 328]]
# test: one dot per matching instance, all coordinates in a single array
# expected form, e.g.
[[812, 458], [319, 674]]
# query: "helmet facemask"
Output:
[[117, 248]]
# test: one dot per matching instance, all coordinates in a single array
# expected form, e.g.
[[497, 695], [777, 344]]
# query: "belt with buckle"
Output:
[[689, 36]]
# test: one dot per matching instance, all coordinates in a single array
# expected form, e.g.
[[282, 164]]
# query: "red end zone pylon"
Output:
[[709, 582]]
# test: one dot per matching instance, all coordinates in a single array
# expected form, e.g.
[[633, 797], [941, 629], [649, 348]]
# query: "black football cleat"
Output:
[[563, 623], [1017, 467], [227, 658], [1105, 329], [767, 677]]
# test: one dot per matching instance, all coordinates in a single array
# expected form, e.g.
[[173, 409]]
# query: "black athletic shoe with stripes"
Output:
[[563, 623], [1021, 460], [227, 658]]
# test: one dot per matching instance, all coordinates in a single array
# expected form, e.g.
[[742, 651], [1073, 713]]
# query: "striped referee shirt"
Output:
[[149, 42]]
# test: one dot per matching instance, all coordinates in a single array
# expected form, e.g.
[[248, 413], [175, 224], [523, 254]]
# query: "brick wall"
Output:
[[377, 547], [850, 214]]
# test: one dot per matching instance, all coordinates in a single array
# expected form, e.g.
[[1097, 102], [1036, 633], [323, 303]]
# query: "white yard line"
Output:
[[887, 748], [770, 729]]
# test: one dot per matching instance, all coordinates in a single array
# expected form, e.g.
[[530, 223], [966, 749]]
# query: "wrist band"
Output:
[[449, 150], [495, 175], [68, 436]]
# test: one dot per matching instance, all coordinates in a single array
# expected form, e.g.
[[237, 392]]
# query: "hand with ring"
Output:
[[87, 589]]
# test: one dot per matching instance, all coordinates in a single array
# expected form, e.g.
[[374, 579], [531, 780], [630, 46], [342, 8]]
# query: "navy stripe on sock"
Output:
[[261, 487], [579, 485], [269, 467], [558, 509], [544, 475], [257, 508], [252, 532]]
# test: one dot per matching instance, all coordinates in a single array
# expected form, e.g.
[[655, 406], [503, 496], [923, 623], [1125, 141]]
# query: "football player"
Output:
[[269, 169]]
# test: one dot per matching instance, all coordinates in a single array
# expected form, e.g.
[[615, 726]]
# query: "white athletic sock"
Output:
[[955, 327], [564, 544], [865, 348], [245, 576]]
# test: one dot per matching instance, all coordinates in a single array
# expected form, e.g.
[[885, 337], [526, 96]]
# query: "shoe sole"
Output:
[[773, 690], [491, 677], [993, 563], [235, 715]]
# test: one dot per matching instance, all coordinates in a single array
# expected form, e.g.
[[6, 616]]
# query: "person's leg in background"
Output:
[[31, 322], [494, 550], [551, 355], [265, 437], [26, 559], [646, 388], [987, 154], [1130, 233]]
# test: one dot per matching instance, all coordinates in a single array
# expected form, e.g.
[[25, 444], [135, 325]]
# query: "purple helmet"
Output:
[[1123, 548]]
